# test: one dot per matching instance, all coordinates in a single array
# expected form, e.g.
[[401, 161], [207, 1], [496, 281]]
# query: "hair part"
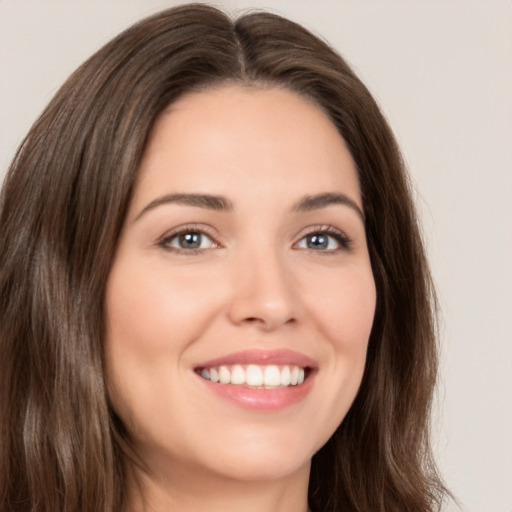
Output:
[[62, 447]]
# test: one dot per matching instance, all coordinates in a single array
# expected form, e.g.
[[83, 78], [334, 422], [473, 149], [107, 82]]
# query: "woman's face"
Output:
[[243, 258]]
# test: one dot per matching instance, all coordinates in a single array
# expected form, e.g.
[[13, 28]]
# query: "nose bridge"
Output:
[[263, 288]]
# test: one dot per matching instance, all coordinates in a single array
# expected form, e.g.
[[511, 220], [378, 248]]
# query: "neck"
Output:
[[198, 491]]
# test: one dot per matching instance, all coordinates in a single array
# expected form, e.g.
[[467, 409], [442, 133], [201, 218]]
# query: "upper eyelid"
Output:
[[322, 228], [196, 228], [345, 241], [213, 234]]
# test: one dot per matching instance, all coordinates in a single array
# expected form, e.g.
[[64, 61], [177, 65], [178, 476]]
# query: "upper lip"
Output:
[[261, 357]]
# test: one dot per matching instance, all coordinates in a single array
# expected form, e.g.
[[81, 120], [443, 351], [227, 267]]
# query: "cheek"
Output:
[[151, 311], [344, 308], [151, 317], [350, 329], [343, 311]]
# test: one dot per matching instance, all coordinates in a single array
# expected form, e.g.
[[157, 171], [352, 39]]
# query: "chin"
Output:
[[263, 456], [261, 467]]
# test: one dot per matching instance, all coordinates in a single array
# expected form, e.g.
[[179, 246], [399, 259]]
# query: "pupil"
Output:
[[190, 240], [317, 242]]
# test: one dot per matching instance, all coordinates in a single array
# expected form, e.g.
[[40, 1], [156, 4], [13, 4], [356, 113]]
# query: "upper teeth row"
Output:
[[254, 375]]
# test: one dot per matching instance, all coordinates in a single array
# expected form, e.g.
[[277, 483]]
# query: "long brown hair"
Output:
[[62, 448]]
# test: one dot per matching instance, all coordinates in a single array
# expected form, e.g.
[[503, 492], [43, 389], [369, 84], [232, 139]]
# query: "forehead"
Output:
[[231, 138]]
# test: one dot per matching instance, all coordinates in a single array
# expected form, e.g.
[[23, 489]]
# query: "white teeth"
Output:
[[272, 376], [214, 375], [254, 375], [224, 375], [266, 376], [237, 375], [285, 376], [294, 377]]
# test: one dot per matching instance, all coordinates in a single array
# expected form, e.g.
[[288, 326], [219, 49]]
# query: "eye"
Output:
[[189, 240], [326, 240]]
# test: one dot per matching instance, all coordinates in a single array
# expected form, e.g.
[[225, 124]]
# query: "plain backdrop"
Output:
[[442, 71]]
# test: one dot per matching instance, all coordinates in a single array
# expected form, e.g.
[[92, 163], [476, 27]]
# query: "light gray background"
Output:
[[442, 70]]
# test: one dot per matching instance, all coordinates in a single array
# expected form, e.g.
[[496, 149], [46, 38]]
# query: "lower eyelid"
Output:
[[166, 240], [211, 242], [341, 245], [344, 241]]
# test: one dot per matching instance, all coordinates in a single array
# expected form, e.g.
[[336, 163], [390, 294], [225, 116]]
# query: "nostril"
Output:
[[263, 321], [257, 309]]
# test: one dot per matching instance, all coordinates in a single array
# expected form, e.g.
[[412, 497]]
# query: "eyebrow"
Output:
[[222, 204], [315, 202], [217, 203]]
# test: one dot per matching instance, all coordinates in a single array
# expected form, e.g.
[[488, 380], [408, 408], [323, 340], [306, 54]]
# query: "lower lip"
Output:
[[261, 399]]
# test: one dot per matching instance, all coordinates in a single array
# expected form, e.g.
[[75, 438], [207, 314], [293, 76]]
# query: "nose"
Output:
[[263, 293]]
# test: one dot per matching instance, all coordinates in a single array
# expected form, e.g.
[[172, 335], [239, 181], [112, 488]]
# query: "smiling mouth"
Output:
[[255, 376]]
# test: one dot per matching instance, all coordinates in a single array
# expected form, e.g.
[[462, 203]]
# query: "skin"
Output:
[[255, 283]]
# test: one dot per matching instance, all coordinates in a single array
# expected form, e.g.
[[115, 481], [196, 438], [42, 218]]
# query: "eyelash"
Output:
[[345, 243], [184, 230]]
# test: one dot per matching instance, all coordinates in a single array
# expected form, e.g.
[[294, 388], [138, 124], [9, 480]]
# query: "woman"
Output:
[[213, 290]]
